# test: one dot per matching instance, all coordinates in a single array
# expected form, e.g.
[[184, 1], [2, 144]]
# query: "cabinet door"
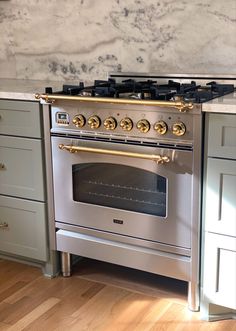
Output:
[[222, 135], [219, 281], [23, 228], [220, 207], [20, 118], [21, 168]]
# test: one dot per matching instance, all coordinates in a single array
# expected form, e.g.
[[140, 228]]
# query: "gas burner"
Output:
[[148, 90]]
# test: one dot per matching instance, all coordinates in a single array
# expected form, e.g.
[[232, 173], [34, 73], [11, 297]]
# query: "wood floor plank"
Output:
[[34, 288], [3, 326], [100, 300], [59, 287], [12, 273], [222, 326], [59, 316], [34, 314], [139, 314], [12, 289], [3, 308], [24, 272], [136, 281], [149, 319], [19, 309], [96, 313], [178, 318], [125, 311]]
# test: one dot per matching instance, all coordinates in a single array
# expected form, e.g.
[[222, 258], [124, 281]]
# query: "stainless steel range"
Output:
[[126, 157]]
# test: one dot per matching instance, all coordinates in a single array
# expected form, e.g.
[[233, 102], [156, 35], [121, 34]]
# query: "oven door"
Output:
[[132, 190]]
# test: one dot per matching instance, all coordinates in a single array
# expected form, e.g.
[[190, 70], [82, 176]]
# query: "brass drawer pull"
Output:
[[2, 166], [4, 225], [159, 159]]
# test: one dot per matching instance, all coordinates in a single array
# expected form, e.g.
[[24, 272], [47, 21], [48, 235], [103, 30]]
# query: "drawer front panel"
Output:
[[20, 118], [21, 169], [220, 270], [220, 210], [132, 256], [222, 136], [23, 228]]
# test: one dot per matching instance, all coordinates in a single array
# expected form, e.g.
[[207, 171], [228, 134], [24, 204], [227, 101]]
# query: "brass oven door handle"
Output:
[[159, 159]]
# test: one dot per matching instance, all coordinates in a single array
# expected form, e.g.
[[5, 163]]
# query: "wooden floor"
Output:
[[98, 297]]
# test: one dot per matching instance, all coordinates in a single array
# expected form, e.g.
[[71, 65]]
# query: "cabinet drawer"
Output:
[[20, 118], [222, 135], [21, 171], [23, 228], [219, 283], [220, 208]]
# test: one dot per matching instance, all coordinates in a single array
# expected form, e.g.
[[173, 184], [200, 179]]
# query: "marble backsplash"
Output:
[[86, 39]]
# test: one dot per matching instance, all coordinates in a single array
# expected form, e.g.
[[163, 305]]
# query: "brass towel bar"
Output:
[[180, 104]]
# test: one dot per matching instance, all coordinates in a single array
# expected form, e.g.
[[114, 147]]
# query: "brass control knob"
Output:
[[160, 127], [143, 126], [79, 121], [110, 123], [126, 124], [179, 129], [94, 122]]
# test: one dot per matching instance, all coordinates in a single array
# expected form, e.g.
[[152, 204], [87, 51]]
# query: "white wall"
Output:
[[85, 39]]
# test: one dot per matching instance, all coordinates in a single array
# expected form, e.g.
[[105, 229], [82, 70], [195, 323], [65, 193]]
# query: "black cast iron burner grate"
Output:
[[148, 90]]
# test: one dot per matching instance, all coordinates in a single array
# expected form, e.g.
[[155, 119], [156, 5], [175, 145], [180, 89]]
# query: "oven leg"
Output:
[[193, 296], [66, 264]]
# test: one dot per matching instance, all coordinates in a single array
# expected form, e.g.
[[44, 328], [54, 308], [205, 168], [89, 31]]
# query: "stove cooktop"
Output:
[[147, 90]]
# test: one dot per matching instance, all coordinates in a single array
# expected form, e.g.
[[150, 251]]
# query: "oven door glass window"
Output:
[[120, 186]]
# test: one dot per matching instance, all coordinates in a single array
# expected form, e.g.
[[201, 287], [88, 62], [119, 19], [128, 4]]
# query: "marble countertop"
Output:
[[17, 89], [225, 104]]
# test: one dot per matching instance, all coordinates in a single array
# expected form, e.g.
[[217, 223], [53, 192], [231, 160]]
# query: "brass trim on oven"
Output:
[[159, 159], [179, 104]]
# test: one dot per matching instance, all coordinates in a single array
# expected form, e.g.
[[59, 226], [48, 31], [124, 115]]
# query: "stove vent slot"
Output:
[[116, 140], [185, 147], [150, 143], [163, 145]]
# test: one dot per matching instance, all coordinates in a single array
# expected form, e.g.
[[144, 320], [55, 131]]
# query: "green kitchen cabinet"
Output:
[[24, 211], [22, 168], [23, 228], [219, 218], [20, 118]]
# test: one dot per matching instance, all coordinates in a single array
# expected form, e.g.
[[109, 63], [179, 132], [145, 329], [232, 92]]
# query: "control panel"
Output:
[[62, 118], [136, 124]]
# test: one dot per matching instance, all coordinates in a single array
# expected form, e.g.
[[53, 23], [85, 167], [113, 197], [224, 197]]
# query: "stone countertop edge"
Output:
[[224, 105], [23, 89]]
